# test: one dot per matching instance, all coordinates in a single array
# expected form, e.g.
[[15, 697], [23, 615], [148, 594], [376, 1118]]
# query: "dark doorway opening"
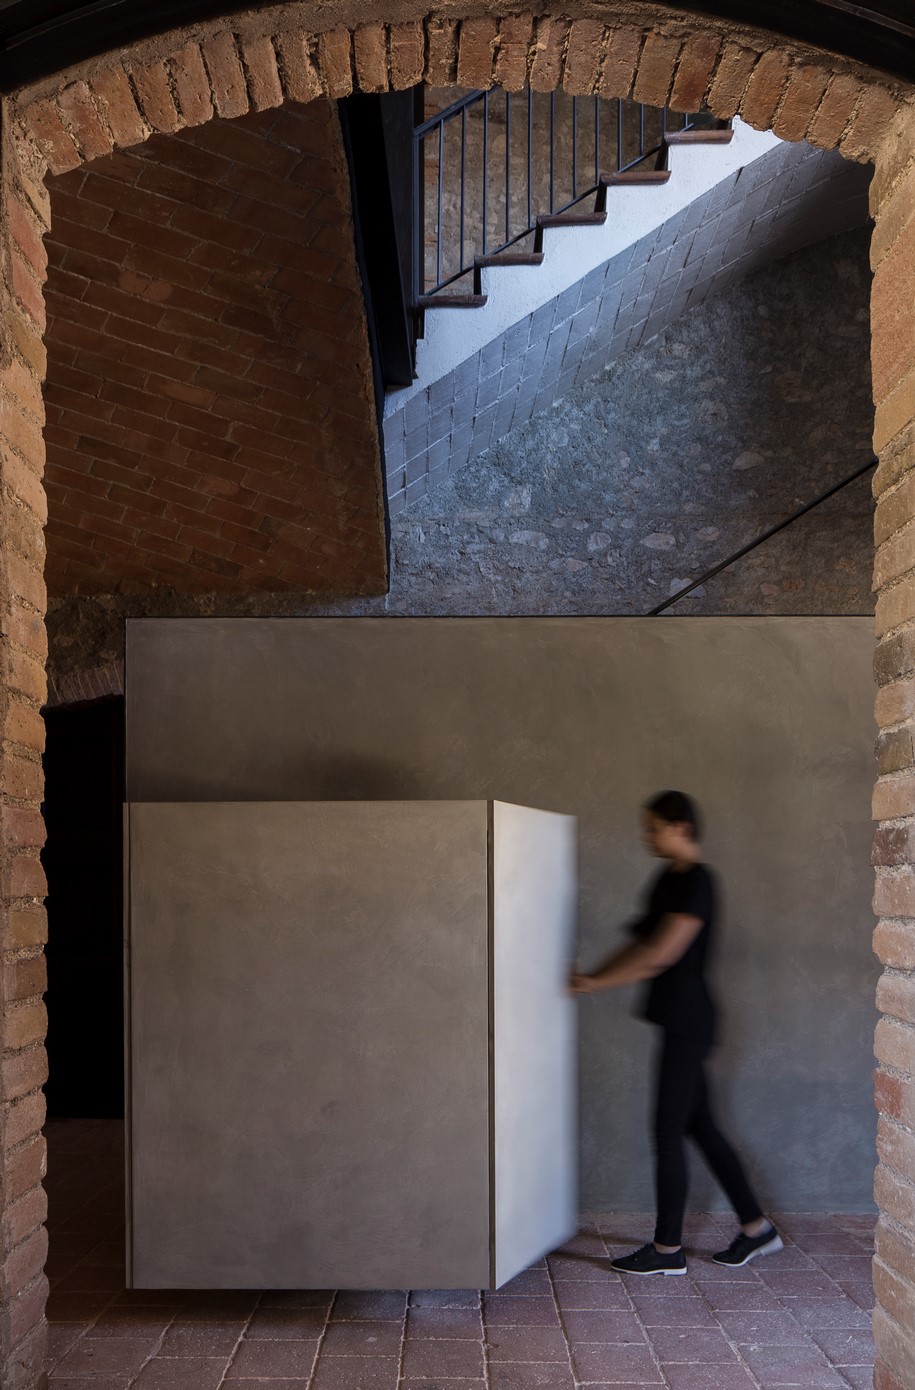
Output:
[[83, 810]]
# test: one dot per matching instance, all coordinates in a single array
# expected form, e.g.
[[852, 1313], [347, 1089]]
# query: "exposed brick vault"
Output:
[[300, 52]]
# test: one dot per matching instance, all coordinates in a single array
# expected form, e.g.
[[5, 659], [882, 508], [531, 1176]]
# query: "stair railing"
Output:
[[636, 134]]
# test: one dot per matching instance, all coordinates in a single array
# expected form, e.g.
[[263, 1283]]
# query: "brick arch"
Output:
[[254, 61], [251, 62]]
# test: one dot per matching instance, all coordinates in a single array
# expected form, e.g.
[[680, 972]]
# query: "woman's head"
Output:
[[671, 824]]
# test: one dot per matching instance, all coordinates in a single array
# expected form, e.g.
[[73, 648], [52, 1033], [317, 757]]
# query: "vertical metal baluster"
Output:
[[552, 146], [463, 174], [441, 161], [641, 130], [574, 148], [619, 134], [530, 158], [508, 163], [419, 221], [596, 141], [485, 165]]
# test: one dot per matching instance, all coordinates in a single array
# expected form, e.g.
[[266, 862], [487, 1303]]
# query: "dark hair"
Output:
[[674, 808]]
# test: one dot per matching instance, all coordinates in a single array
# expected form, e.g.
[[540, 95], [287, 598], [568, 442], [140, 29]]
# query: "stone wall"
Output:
[[782, 199], [675, 456]]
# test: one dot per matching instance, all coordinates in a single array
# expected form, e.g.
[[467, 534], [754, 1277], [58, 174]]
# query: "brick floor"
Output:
[[799, 1318]]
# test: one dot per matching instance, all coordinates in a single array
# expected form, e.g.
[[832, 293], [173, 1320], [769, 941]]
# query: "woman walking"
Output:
[[670, 950]]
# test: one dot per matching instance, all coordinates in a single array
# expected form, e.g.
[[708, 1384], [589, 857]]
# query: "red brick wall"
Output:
[[893, 364], [23, 652], [210, 412]]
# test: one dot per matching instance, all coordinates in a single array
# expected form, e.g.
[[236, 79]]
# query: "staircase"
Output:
[[578, 216], [518, 327]]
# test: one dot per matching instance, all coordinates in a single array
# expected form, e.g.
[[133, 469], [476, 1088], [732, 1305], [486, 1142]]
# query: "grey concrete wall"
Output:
[[309, 1046], [628, 485], [767, 721], [784, 200]]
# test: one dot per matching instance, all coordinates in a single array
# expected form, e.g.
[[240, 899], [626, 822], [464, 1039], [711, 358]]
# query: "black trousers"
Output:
[[683, 1109]]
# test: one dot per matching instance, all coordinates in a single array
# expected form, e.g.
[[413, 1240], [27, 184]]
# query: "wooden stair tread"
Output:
[[451, 301], [699, 137], [510, 258], [634, 177], [571, 219]]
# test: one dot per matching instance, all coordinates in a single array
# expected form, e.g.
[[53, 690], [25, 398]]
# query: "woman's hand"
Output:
[[582, 984]]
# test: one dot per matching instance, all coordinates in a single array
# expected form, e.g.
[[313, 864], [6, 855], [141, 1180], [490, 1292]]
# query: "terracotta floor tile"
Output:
[[528, 1375], [76, 1307], [181, 1373], [428, 1384], [825, 1314], [796, 1283], [88, 1278], [775, 1329], [57, 1382], [444, 1298], [222, 1306], [707, 1271], [272, 1323], [362, 1339], [61, 1338], [792, 1366], [201, 1339], [530, 1282], [106, 1356], [860, 1291], [839, 1267], [361, 1303], [526, 1344], [832, 1243], [691, 1344], [859, 1377], [293, 1359], [580, 1266], [271, 1383], [429, 1358], [709, 1378], [674, 1312], [752, 1298], [355, 1373], [585, 1294], [606, 1326], [131, 1322], [666, 1286], [609, 1363], [508, 1311], [846, 1346], [450, 1323], [585, 1243]]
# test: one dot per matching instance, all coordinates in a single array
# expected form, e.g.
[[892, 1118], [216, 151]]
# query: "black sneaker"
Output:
[[648, 1260], [743, 1248]]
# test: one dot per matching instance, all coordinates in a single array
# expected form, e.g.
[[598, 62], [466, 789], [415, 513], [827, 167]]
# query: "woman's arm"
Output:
[[642, 960]]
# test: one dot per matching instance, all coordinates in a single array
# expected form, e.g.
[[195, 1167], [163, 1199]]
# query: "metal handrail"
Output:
[[435, 127]]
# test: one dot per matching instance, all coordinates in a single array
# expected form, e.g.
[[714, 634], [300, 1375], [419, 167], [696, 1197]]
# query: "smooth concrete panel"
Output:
[[309, 1045], [535, 1156], [768, 721]]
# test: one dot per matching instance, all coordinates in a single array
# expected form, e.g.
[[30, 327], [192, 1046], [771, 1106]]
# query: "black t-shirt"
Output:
[[679, 999]]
